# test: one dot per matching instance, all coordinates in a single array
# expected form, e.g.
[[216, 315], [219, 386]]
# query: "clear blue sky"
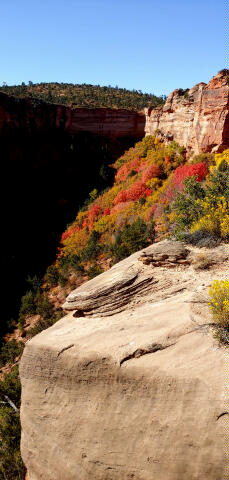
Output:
[[150, 45]]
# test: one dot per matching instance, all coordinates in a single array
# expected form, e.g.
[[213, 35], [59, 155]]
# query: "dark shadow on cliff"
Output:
[[46, 176]]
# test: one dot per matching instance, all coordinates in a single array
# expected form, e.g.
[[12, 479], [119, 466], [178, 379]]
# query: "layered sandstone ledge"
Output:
[[199, 120], [130, 384]]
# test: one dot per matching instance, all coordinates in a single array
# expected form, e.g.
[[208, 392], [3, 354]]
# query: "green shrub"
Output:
[[208, 158], [186, 207], [52, 276], [63, 277], [11, 465], [41, 325], [92, 248], [35, 283], [94, 271], [142, 200], [132, 238], [27, 304], [71, 262], [9, 351], [218, 185], [44, 308], [131, 174], [27, 307]]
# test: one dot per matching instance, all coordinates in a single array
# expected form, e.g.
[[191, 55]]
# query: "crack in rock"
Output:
[[152, 348], [221, 415], [65, 348]]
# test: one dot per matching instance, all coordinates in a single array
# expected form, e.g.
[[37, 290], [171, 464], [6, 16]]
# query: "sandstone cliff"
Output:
[[130, 384], [197, 119], [34, 115]]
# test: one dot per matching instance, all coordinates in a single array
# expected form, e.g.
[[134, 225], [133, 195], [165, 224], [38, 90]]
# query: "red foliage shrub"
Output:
[[125, 169], [120, 207], [122, 173], [93, 212], [153, 171], [69, 233], [137, 190], [182, 172], [148, 192], [176, 183], [85, 223], [121, 197], [106, 211], [141, 167], [93, 215]]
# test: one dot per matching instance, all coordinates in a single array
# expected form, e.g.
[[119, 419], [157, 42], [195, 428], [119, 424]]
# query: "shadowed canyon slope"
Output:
[[197, 119], [130, 384], [52, 157]]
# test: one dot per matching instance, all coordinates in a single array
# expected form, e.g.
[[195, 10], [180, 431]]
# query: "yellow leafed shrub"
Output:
[[215, 218], [75, 243], [219, 304], [221, 157], [105, 224]]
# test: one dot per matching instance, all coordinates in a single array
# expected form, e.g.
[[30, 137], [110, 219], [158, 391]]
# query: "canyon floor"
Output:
[[131, 383]]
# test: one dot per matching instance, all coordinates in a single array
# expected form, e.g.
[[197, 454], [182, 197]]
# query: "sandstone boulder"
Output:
[[115, 288], [139, 394]]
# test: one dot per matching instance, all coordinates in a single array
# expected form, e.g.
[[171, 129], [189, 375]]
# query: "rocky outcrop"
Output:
[[35, 115], [197, 118], [137, 389], [114, 289]]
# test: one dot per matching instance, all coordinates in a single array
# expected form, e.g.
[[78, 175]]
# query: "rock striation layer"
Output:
[[137, 390], [197, 118], [35, 115]]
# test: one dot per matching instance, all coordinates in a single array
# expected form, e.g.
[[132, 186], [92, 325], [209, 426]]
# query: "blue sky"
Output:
[[150, 45]]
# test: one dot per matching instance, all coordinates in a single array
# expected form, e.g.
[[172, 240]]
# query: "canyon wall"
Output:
[[197, 119], [35, 115]]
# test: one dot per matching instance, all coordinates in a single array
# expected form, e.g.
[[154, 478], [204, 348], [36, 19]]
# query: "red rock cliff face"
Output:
[[32, 114], [199, 120]]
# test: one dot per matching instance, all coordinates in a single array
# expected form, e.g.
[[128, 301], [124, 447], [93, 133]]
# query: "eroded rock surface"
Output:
[[138, 394], [115, 288], [199, 119]]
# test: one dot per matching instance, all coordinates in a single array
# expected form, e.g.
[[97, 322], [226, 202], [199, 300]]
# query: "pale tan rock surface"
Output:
[[199, 120], [133, 395]]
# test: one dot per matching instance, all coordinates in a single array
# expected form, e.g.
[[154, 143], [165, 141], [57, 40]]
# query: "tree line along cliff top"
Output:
[[85, 95]]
